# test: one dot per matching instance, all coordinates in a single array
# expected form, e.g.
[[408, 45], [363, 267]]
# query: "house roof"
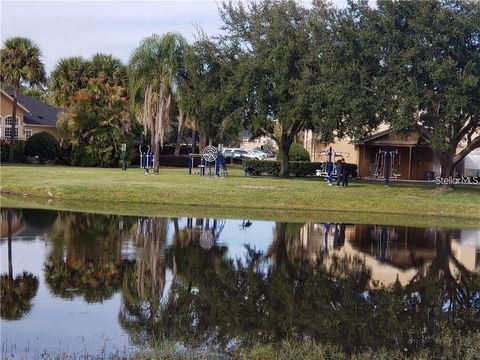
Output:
[[373, 136], [246, 134], [11, 99], [39, 113], [36, 112]]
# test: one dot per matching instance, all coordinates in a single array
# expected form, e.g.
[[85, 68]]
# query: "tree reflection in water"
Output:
[[85, 259], [214, 300], [16, 292], [191, 291], [144, 281]]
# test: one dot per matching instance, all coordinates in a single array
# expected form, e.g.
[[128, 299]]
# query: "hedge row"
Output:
[[177, 161], [259, 167], [182, 161], [297, 168]]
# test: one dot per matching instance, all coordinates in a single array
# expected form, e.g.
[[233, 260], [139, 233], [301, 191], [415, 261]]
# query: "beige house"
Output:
[[33, 116], [249, 142]]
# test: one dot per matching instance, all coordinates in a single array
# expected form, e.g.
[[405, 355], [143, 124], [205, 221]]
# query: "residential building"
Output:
[[413, 159], [33, 116]]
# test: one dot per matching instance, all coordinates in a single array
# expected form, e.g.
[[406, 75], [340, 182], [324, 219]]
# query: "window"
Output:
[[8, 127], [28, 133], [8, 132], [8, 121]]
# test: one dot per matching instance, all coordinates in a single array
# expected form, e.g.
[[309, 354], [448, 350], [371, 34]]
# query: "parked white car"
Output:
[[239, 153], [260, 155]]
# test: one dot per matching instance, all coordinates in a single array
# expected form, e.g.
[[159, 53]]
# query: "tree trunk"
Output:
[[181, 128], [176, 233], [194, 134], [447, 172], [156, 160], [11, 155], [9, 225], [284, 149], [202, 143]]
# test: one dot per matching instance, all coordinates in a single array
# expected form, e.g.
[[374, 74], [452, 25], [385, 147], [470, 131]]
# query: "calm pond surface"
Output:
[[79, 282]]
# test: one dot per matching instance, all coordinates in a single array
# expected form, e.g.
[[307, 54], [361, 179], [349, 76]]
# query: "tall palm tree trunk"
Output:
[[11, 155], [194, 135], [181, 128]]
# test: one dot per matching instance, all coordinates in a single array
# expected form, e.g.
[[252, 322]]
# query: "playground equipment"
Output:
[[328, 169], [145, 226], [333, 235], [146, 158], [210, 156], [210, 230], [386, 237], [387, 163]]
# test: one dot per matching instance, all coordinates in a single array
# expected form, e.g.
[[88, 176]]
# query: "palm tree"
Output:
[[20, 62], [70, 75], [156, 74], [110, 68]]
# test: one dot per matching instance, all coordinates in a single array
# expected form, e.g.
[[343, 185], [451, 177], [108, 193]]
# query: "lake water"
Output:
[[87, 283]]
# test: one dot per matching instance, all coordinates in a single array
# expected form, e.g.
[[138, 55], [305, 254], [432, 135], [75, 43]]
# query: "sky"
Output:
[[71, 28]]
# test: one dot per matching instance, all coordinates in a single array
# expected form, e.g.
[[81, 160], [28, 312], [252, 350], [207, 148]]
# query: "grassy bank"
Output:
[[444, 347], [174, 193]]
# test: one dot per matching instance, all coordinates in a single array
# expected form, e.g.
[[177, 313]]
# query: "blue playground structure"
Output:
[[387, 162], [146, 158], [211, 158], [328, 168]]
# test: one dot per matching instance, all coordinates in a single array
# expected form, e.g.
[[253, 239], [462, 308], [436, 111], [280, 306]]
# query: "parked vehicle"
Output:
[[238, 153], [260, 155]]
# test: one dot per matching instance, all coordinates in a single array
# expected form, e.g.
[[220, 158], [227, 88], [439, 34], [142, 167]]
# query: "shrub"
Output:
[[297, 168], [43, 145], [177, 161], [263, 167], [5, 150], [298, 153]]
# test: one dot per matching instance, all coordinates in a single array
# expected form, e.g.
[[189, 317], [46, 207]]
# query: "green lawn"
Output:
[[174, 193]]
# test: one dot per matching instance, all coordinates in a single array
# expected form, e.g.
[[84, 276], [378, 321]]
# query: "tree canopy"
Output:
[[431, 60], [96, 117], [156, 73], [273, 42]]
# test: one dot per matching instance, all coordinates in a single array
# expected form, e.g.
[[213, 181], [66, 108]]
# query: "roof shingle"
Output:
[[40, 113]]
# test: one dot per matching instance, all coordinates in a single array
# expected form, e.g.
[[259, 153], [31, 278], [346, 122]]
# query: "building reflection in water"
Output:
[[390, 251]]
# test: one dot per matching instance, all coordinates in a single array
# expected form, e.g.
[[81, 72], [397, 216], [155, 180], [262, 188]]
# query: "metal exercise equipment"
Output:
[[328, 169], [387, 163], [210, 156], [146, 158], [209, 229]]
